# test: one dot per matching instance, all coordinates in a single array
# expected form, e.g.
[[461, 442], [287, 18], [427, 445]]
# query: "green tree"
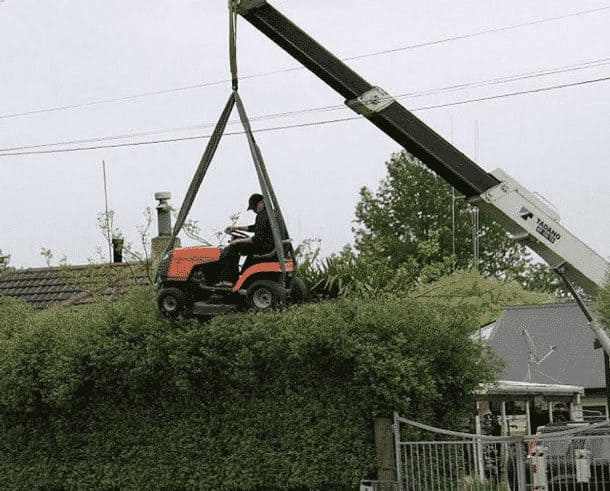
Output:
[[409, 219]]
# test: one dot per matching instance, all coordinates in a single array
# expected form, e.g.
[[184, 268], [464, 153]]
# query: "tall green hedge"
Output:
[[113, 397]]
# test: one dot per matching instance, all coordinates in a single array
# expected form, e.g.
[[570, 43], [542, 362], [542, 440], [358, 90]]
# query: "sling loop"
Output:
[[233, 44]]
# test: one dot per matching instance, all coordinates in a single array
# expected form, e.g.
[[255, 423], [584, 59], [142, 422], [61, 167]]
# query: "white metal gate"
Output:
[[434, 459]]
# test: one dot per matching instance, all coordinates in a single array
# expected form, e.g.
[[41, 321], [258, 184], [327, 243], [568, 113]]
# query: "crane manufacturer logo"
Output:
[[547, 231], [542, 227], [525, 213]]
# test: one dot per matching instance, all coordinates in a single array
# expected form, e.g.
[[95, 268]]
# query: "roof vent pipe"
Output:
[[164, 217]]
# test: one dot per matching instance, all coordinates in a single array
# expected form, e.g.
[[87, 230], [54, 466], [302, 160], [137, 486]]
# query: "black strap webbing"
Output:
[[273, 211], [201, 171]]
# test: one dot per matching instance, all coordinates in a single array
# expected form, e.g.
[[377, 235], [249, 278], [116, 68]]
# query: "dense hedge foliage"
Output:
[[111, 396]]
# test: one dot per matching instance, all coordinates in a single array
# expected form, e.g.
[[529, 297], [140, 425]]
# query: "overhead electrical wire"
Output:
[[481, 33], [463, 86], [298, 68], [309, 124]]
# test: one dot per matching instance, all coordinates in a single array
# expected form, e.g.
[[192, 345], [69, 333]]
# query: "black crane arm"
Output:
[[525, 217], [372, 102]]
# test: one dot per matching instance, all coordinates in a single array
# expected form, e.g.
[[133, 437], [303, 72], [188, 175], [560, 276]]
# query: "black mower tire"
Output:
[[298, 290], [171, 302], [265, 296]]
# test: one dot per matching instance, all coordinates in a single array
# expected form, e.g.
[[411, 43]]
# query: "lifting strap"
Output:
[[201, 171], [233, 44], [273, 211], [272, 207]]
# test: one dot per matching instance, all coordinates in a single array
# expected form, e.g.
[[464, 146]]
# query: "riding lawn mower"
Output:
[[188, 278]]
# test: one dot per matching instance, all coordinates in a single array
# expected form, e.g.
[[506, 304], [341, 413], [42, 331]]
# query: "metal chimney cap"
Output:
[[163, 195]]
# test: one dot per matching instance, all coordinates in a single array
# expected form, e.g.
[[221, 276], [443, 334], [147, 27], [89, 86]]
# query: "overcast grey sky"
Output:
[[64, 53]]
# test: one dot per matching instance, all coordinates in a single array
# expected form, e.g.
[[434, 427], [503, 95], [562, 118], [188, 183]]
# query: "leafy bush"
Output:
[[111, 396], [483, 297]]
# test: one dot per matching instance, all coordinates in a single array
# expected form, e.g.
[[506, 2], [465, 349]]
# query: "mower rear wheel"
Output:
[[265, 295], [298, 290], [171, 302]]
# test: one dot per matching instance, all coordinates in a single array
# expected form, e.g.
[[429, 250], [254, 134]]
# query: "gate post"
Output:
[[384, 449], [520, 463], [397, 455]]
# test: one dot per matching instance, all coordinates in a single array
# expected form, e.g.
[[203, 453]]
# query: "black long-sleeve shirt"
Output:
[[262, 240]]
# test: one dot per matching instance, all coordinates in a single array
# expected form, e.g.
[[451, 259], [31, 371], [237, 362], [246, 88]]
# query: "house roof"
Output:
[[70, 285], [529, 333]]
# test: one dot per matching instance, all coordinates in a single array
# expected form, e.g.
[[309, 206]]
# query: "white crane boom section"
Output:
[[530, 220]]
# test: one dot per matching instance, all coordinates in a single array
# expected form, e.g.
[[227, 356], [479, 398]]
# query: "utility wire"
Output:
[[298, 68], [303, 125], [451, 88], [481, 33]]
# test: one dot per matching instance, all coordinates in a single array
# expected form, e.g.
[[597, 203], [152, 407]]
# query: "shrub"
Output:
[[112, 396]]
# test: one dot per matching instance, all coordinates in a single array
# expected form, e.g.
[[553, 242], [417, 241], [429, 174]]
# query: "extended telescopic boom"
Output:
[[525, 216]]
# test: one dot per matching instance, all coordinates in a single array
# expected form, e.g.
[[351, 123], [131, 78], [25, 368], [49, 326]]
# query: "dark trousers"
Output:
[[229, 260]]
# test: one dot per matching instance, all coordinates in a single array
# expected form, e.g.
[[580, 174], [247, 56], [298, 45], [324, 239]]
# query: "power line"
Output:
[[451, 88], [298, 68], [304, 125], [481, 33]]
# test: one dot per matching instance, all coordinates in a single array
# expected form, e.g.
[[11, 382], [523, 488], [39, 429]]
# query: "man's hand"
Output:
[[230, 229]]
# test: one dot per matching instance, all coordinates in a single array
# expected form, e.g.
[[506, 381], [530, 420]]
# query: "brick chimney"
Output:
[[164, 223]]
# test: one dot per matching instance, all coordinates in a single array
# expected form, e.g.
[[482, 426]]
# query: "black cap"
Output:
[[253, 201]]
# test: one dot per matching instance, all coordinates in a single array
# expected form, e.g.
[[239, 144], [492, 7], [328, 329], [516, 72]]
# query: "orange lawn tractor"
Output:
[[187, 279]]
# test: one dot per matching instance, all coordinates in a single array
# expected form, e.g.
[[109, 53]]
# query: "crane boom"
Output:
[[525, 216], [372, 102]]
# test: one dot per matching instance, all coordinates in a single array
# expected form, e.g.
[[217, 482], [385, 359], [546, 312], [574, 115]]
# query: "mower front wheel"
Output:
[[171, 302], [265, 295]]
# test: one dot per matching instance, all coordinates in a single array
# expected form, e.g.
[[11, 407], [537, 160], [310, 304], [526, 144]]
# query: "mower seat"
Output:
[[270, 256]]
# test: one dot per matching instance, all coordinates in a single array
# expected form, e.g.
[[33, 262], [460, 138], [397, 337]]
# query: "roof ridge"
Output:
[[72, 266], [551, 305]]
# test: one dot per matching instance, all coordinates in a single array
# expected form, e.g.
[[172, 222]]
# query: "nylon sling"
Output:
[[200, 173], [272, 207]]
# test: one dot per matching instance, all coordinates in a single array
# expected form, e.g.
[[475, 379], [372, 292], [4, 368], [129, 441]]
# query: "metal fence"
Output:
[[434, 459]]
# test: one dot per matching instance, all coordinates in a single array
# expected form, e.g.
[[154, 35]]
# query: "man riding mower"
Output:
[[205, 281]]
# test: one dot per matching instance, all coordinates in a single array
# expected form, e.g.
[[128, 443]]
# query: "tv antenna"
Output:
[[533, 360]]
